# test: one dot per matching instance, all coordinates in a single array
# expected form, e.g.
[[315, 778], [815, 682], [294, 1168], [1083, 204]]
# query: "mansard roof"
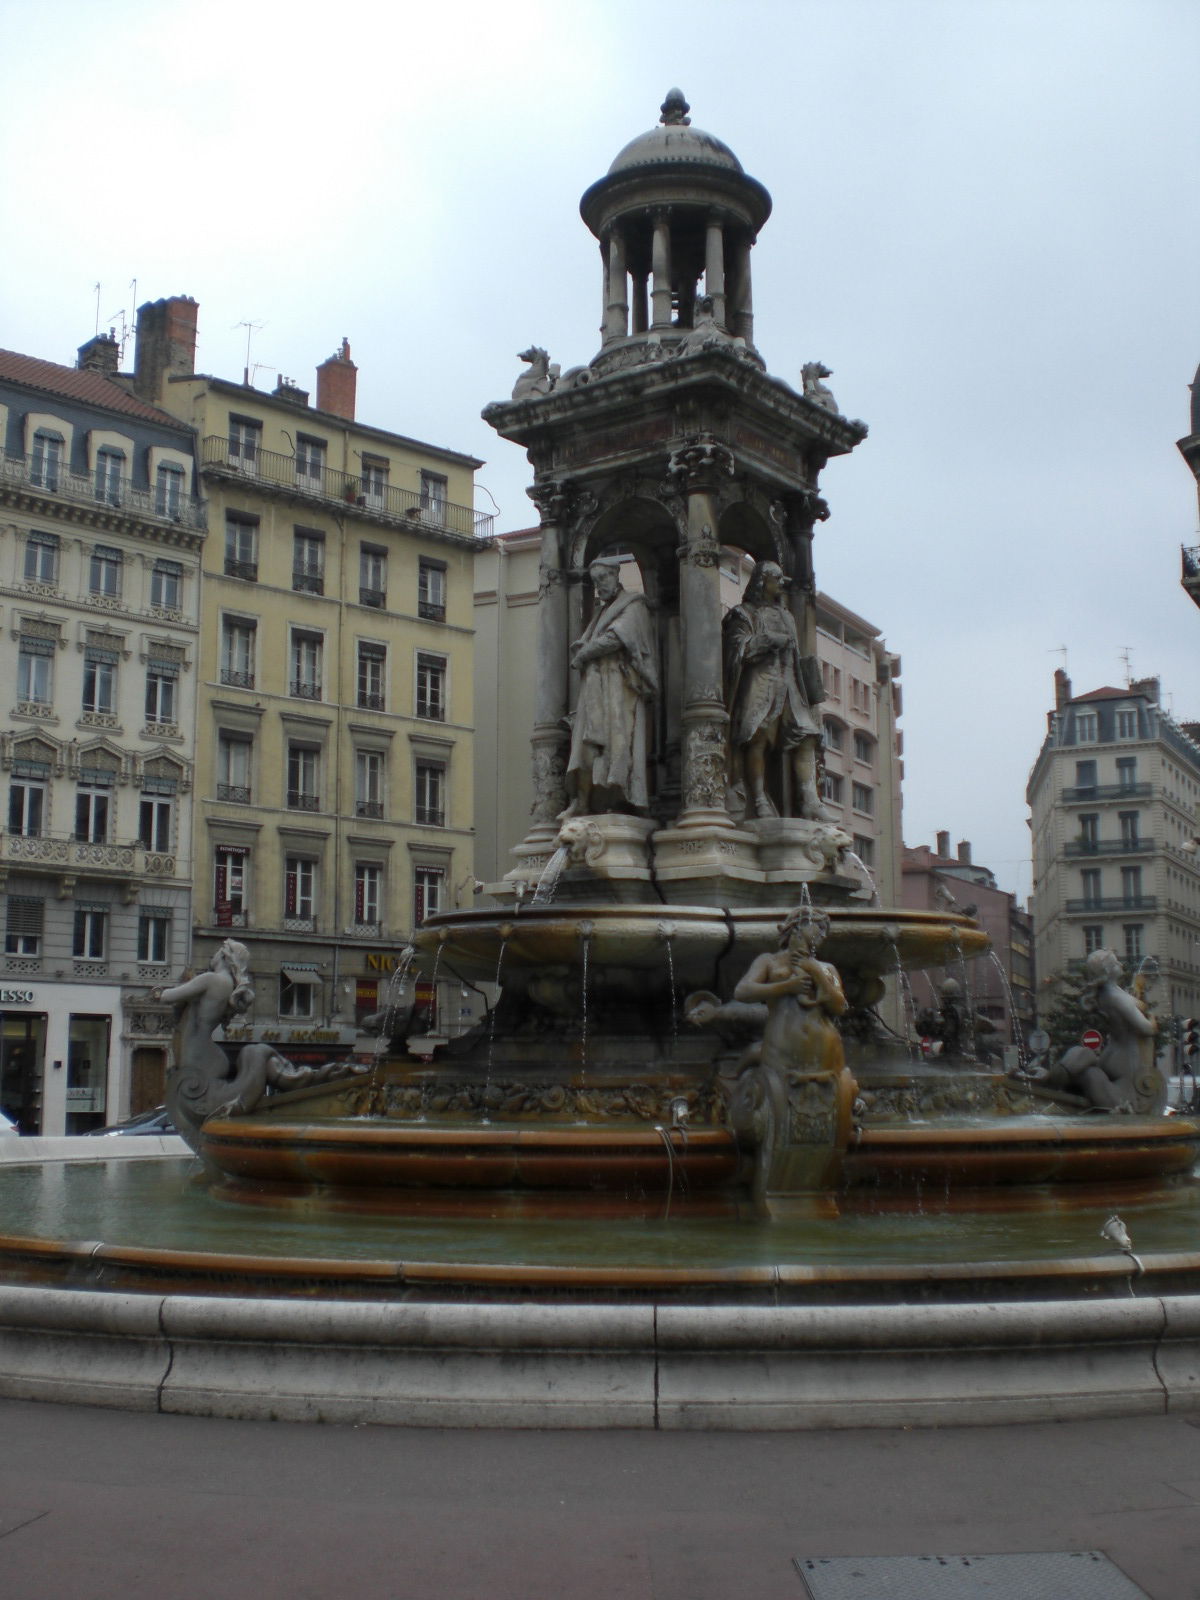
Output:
[[74, 383]]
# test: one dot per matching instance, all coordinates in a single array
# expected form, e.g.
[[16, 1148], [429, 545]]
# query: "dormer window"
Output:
[[110, 469], [1127, 724], [45, 466], [1085, 727], [168, 491]]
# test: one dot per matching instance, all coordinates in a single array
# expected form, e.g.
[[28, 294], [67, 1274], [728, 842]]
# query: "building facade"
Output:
[[335, 772], [862, 756], [101, 531], [1113, 797]]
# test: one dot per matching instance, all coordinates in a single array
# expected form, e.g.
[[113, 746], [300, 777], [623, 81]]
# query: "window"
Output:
[[368, 783], [1134, 942], [433, 496], [162, 679], [308, 562], [864, 849], [1127, 724], [831, 677], [372, 576], [24, 921], [237, 653], [427, 892], [45, 466], [41, 558], [91, 933], [166, 585], [835, 734], [862, 798], [832, 787], [241, 547], [374, 481], [431, 793], [297, 993], [110, 469], [245, 441], [310, 463], [299, 888], [27, 798], [1127, 772], [99, 680], [372, 675], [1085, 726], [1131, 885], [1129, 828], [303, 766], [1091, 885], [154, 938], [860, 694], [1085, 774], [1093, 937], [431, 590], [431, 686], [104, 572], [168, 491], [368, 893], [154, 823], [35, 671], [233, 768], [1089, 830], [91, 813], [306, 665], [864, 748], [230, 868]]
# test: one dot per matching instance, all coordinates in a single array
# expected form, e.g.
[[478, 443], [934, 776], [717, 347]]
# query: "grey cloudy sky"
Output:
[[985, 222]]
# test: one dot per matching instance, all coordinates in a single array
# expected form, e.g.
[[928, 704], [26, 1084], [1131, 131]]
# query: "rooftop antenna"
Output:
[[1125, 654], [97, 308], [1059, 650], [251, 329]]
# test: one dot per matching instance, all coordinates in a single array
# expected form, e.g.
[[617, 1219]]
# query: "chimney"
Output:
[[1149, 687], [964, 852], [286, 389], [943, 844], [1062, 689], [337, 380], [101, 354], [166, 344]]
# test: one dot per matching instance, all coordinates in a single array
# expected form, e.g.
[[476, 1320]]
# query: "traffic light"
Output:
[[1191, 1038]]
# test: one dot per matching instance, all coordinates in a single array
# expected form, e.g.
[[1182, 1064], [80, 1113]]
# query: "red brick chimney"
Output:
[[337, 380], [1062, 689], [166, 344]]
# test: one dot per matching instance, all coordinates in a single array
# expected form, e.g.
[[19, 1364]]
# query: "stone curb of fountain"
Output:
[[33, 1149], [555, 1366]]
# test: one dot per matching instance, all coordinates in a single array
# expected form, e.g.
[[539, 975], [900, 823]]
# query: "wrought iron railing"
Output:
[[237, 680], [1082, 793], [368, 808], [1140, 902], [368, 701], [373, 597], [1191, 563], [122, 494], [432, 816], [431, 611], [390, 504], [308, 582], [299, 800], [238, 793], [305, 691], [241, 569], [1109, 847]]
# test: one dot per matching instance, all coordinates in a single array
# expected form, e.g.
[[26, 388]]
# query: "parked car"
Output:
[[7, 1125], [152, 1122]]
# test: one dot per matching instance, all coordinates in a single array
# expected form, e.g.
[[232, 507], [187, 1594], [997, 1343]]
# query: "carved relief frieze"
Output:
[[549, 778], [704, 766]]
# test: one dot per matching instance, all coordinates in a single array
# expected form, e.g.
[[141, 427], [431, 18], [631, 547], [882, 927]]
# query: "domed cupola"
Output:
[[675, 211]]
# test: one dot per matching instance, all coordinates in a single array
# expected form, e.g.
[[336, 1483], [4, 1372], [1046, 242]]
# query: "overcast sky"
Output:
[[985, 222]]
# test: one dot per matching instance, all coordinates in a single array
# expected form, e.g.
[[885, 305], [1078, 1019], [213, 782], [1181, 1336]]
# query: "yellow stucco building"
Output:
[[334, 770]]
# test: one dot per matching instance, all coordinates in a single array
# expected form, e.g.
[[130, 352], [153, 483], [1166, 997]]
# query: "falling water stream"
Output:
[[667, 933], [392, 997], [551, 872], [867, 874], [505, 935], [586, 929]]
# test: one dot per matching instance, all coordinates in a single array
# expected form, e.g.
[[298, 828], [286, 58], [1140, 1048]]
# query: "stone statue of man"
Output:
[[610, 738], [769, 704]]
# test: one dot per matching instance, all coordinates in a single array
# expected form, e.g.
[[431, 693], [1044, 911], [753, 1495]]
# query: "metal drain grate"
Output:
[[1058, 1575]]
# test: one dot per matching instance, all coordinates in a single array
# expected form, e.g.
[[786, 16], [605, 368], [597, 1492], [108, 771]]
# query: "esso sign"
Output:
[[1092, 1039]]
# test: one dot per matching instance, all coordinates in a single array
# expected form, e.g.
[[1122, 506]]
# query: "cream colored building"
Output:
[[335, 768], [863, 743], [101, 529], [1113, 795]]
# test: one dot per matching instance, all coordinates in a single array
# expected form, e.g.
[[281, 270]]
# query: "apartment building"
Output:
[[335, 768], [101, 530], [1113, 794]]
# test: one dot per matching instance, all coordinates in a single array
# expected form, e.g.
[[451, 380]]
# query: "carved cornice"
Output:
[[700, 462]]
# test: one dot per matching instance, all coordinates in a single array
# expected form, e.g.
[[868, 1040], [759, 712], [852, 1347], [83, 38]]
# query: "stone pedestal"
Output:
[[707, 864], [604, 858]]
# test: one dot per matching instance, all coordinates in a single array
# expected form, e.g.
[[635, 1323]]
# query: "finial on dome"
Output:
[[675, 110]]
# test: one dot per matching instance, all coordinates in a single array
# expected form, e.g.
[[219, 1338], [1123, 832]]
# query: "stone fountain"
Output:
[[646, 1190]]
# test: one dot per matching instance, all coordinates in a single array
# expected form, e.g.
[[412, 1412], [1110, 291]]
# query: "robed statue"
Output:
[[617, 663]]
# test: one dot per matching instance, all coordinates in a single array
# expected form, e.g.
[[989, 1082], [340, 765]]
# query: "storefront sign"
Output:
[[384, 961], [85, 1099], [16, 997]]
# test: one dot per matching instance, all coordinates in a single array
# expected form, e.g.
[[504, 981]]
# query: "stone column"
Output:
[[698, 468], [551, 741], [616, 312], [714, 268], [741, 323], [641, 309], [661, 265]]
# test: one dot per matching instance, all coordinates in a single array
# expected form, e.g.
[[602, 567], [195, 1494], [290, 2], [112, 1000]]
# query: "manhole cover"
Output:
[[1059, 1575]]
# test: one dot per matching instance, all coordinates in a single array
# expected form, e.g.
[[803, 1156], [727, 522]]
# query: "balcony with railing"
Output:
[[308, 582], [376, 598], [241, 569], [1109, 847], [1119, 903], [431, 611], [302, 689], [371, 700], [432, 816], [302, 800], [369, 808], [118, 494], [89, 858], [236, 793], [234, 679], [402, 507], [1089, 793]]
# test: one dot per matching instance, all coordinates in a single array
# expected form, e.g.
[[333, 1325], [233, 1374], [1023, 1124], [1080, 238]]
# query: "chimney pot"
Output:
[[943, 843], [101, 354], [964, 852]]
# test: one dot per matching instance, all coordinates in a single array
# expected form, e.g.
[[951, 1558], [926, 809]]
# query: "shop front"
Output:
[[57, 1071]]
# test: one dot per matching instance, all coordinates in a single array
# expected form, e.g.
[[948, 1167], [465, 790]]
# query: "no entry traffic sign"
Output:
[[1093, 1039]]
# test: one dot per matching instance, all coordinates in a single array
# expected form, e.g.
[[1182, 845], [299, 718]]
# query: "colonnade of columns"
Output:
[[648, 295]]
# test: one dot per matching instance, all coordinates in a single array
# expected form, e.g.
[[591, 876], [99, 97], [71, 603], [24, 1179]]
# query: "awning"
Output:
[[297, 974]]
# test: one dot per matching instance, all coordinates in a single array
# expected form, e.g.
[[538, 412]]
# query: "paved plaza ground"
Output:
[[101, 1504]]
